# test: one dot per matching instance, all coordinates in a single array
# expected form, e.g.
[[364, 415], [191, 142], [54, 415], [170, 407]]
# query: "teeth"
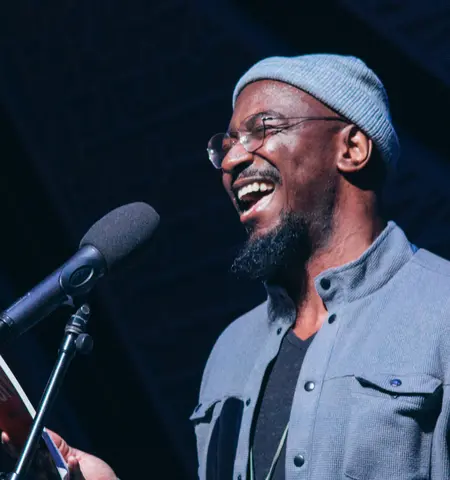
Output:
[[254, 187]]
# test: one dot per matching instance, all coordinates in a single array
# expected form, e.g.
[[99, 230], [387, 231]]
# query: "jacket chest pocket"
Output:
[[391, 426], [217, 425]]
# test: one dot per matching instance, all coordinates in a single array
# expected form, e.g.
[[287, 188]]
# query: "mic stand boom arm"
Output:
[[75, 339]]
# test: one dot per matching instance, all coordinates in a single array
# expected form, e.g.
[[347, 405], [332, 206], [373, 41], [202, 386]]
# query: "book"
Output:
[[16, 417]]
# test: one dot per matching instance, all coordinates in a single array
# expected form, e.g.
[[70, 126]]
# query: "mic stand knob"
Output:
[[84, 344]]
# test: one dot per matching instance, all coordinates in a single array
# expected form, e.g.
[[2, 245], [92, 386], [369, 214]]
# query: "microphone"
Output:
[[109, 241]]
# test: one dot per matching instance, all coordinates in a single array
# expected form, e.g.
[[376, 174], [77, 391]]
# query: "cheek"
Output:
[[283, 145], [307, 178]]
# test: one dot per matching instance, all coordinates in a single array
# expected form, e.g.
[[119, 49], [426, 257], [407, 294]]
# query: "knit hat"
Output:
[[343, 83]]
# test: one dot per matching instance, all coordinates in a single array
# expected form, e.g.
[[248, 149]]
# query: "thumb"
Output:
[[74, 468]]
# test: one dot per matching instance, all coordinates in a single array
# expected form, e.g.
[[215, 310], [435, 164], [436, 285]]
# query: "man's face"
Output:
[[284, 191], [294, 170]]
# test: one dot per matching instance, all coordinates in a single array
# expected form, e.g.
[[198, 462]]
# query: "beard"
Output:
[[286, 248], [281, 254], [268, 256]]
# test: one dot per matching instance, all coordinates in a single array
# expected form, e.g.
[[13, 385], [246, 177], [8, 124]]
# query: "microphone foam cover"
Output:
[[122, 231]]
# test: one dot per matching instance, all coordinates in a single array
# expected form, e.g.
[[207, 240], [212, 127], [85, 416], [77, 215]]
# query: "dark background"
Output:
[[106, 102]]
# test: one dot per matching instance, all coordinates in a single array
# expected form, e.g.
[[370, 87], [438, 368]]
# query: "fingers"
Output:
[[60, 443], [72, 462], [57, 440], [74, 468]]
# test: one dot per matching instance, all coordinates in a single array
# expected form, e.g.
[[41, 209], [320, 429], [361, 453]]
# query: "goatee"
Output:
[[270, 256]]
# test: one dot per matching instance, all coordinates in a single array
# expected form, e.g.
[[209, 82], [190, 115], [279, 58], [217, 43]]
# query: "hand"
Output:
[[82, 465]]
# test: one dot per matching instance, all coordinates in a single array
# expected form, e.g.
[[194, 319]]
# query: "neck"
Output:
[[349, 239]]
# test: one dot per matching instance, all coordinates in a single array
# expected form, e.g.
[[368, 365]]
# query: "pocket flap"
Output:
[[203, 409], [419, 384]]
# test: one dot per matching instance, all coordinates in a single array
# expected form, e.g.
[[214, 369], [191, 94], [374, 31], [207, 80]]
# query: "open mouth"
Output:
[[254, 195]]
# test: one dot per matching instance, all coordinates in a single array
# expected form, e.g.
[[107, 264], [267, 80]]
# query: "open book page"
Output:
[[16, 414]]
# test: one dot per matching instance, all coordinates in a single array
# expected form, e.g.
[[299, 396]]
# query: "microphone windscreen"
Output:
[[122, 231]]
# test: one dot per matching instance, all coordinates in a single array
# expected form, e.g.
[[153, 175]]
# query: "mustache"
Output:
[[266, 172]]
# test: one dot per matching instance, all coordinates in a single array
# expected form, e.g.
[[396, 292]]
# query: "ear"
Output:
[[356, 149]]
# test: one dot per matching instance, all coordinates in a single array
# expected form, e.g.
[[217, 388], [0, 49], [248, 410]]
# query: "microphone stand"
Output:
[[75, 340]]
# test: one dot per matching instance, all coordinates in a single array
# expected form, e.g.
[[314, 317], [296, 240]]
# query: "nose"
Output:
[[236, 158]]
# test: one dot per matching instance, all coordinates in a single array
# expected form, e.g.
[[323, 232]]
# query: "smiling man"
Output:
[[344, 371]]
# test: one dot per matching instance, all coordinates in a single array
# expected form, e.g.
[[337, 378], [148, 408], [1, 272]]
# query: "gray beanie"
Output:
[[343, 83]]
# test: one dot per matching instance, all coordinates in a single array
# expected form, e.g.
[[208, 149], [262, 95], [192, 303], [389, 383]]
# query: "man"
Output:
[[344, 371]]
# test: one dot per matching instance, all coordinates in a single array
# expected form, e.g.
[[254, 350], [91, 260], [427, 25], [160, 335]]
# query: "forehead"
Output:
[[265, 95]]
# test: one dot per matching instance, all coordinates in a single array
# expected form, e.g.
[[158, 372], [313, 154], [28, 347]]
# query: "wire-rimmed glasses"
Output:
[[253, 132]]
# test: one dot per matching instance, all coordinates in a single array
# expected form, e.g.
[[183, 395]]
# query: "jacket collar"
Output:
[[351, 281]]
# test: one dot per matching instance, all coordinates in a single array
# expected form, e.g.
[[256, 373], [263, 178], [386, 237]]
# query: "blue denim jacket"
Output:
[[380, 406]]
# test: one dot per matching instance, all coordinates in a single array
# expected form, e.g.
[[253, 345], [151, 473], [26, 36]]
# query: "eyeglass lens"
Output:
[[250, 135]]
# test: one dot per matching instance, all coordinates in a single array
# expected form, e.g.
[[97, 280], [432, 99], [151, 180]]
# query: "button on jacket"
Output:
[[372, 401]]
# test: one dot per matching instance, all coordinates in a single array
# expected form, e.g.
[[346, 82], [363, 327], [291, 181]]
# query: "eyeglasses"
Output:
[[253, 132]]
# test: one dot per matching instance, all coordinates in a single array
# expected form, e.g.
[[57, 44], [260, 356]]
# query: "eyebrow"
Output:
[[271, 113]]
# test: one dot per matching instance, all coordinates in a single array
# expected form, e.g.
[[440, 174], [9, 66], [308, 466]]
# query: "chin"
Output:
[[273, 248], [256, 230]]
